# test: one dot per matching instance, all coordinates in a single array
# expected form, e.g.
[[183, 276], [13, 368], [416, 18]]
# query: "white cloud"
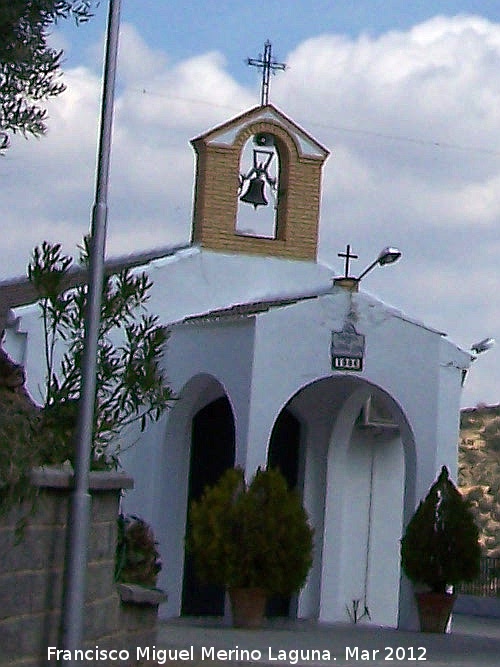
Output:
[[137, 61], [411, 119]]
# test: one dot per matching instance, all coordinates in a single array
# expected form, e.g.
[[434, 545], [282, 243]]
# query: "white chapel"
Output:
[[276, 360]]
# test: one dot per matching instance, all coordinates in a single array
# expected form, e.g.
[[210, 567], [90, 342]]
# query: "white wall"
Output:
[[25, 344], [453, 364], [363, 518], [370, 527]]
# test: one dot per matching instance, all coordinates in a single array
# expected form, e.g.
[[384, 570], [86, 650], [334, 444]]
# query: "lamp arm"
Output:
[[368, 269]]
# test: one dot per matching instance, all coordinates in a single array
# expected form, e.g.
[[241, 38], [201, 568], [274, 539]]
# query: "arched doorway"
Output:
[[284, 455], [355, 474], [212, 452], [284, 447]]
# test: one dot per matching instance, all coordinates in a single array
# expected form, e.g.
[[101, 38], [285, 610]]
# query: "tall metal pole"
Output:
[[79, 516]]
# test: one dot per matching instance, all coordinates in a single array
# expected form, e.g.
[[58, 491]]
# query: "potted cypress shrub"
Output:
[[253, 539], [440, 549]]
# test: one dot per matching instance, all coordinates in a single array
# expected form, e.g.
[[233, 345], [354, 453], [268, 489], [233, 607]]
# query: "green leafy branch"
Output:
[[131, 386], [29, 67]]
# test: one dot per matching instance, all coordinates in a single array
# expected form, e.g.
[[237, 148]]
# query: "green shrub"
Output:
[[440, 547], [18, 449], [131, 386], [254, 535]]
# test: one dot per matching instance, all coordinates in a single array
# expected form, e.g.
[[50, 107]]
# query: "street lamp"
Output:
[[386, 256], [483, 345]]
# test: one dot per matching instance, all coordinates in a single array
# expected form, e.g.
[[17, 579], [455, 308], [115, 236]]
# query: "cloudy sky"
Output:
[[407, 99]]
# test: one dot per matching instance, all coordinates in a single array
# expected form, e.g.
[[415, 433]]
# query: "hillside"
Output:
[[479, 471]]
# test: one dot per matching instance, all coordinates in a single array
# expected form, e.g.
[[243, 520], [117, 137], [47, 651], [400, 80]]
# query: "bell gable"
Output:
[[294, 195]]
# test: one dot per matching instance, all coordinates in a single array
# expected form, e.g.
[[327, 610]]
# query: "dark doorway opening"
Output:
[[284, 449], [212, 452]]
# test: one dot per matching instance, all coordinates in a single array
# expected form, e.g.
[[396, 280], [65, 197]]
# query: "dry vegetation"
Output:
[[479, 471]]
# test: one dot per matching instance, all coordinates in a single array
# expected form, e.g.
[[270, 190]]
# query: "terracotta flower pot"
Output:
[[248, 606], [434, 610]]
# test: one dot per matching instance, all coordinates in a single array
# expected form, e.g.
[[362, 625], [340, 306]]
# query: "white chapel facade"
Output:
[[275, 363]]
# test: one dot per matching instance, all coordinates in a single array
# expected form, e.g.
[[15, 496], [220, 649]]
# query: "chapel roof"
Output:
[[283, 283], [225, 133], [245, 309], [18, 291]]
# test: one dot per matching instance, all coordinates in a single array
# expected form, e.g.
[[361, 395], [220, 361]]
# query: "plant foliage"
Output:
[[137, 557], [440, 547], [131, 387], [19, 450], [29, 67], [22, 446], [254, 535]]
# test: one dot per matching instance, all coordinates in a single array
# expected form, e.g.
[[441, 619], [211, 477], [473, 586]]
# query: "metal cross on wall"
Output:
[[268, 65], [348, 256]]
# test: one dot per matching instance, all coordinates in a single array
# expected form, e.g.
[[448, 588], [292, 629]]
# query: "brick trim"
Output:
[[216, 194]]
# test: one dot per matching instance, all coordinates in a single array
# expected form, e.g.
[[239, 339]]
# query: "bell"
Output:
[[255, 193]]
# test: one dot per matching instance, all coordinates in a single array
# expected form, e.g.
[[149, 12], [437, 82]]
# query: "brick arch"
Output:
[[216, 196], [286, 141], [288, 154]]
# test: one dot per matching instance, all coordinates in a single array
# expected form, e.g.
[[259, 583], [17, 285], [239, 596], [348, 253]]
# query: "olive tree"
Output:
[[30, 68]]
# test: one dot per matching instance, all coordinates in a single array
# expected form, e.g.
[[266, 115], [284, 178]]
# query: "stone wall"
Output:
[[31, 575]]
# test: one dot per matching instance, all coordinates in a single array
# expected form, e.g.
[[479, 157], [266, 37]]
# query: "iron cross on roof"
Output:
[[268, 65], [348, 256]]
